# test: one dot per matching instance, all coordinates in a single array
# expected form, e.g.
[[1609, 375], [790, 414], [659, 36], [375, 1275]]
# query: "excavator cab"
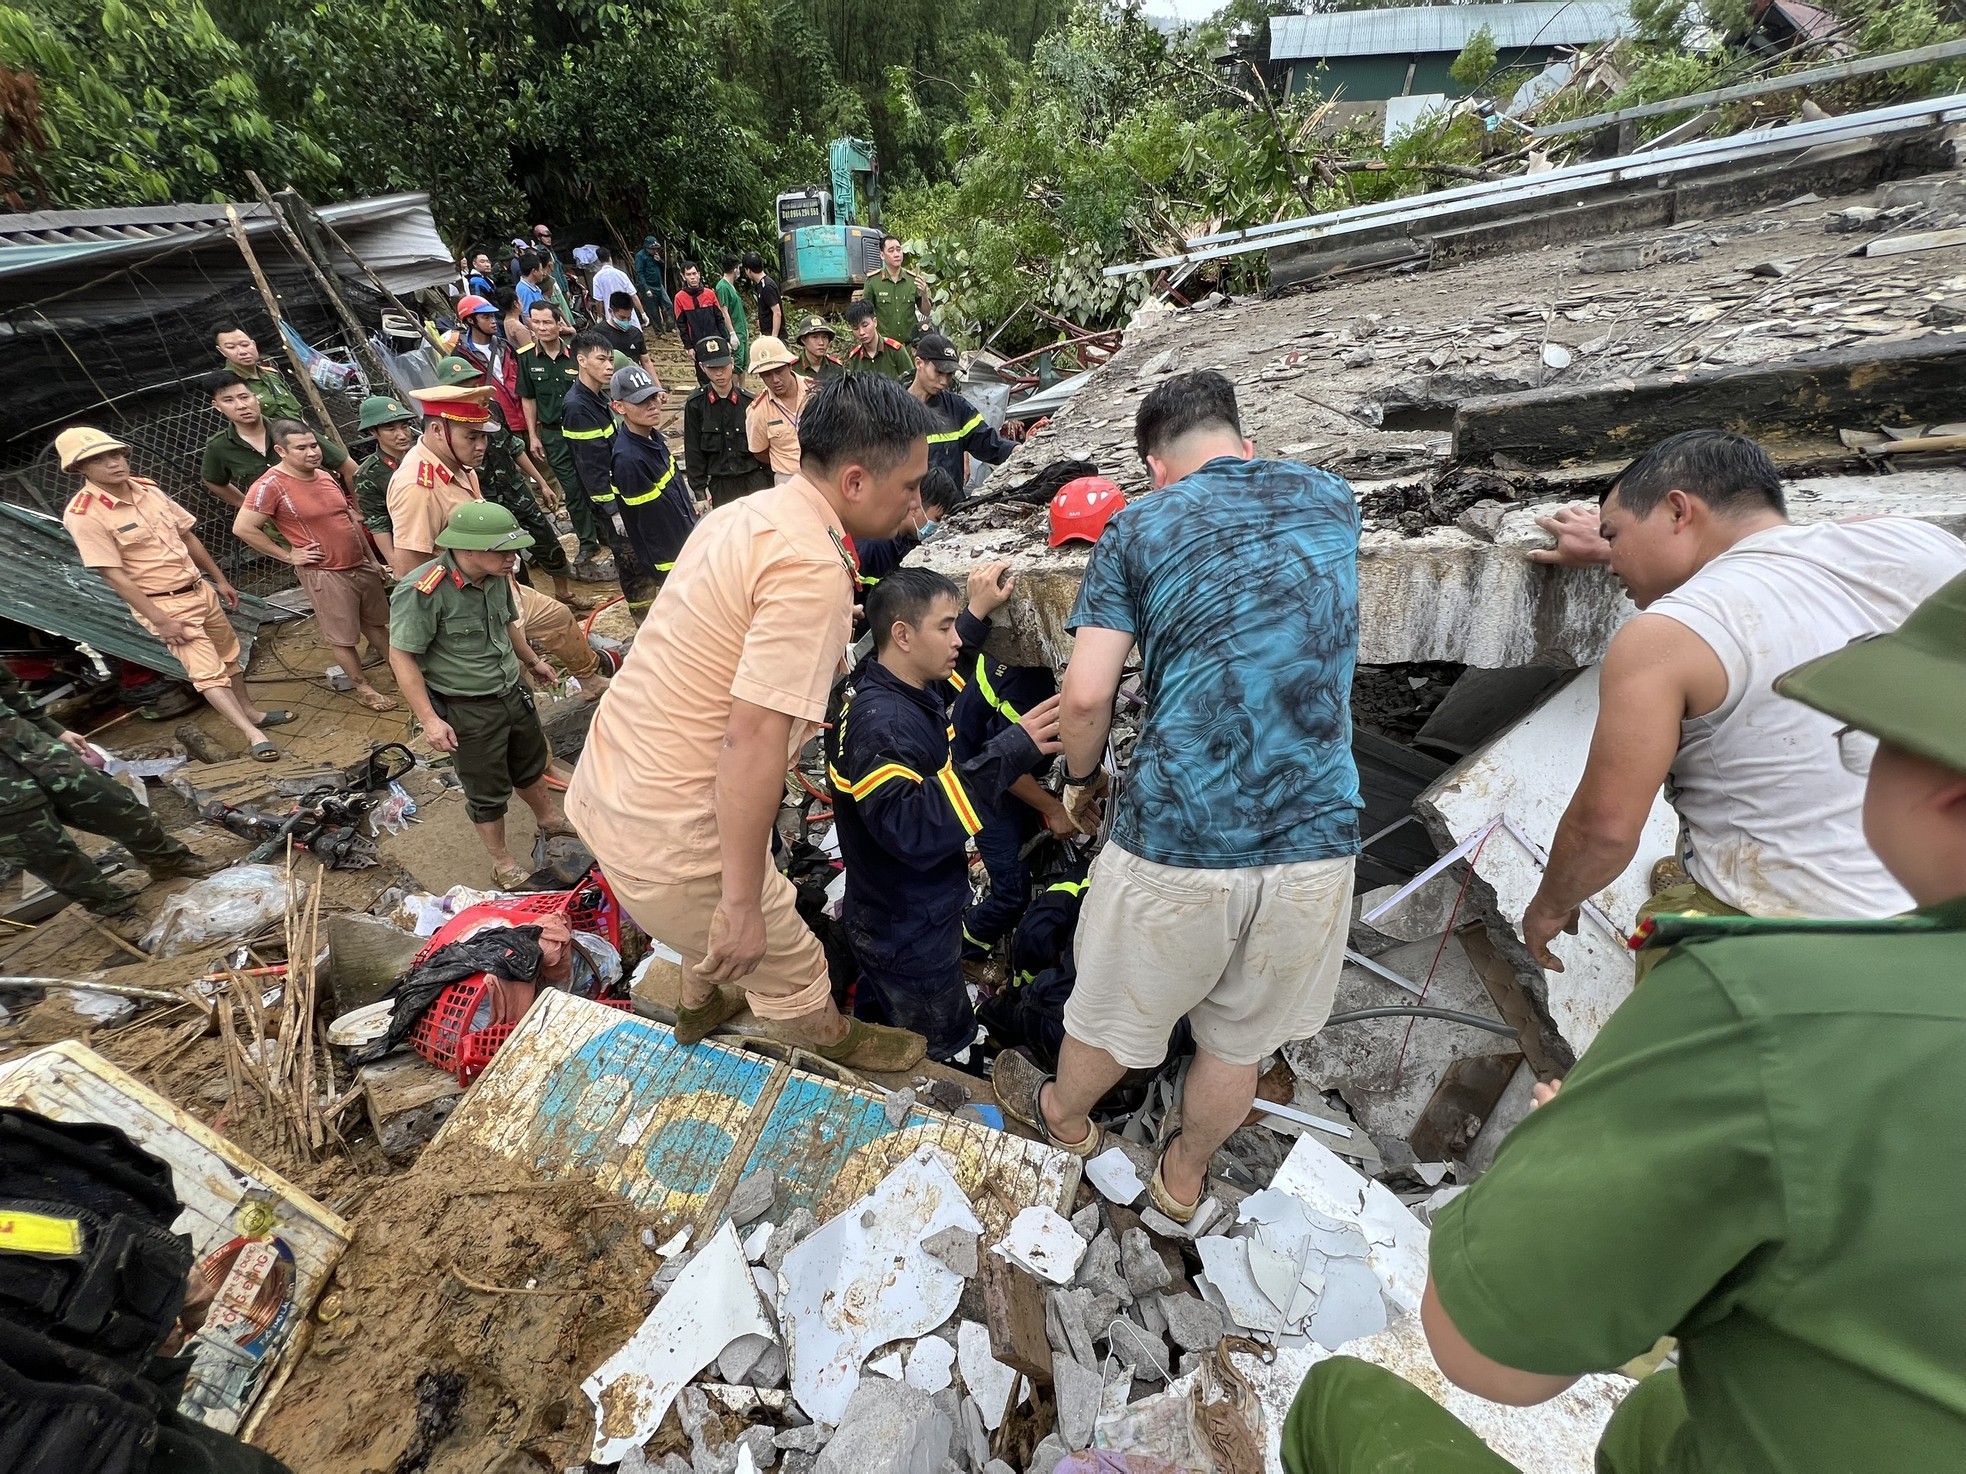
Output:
[[829, 240]]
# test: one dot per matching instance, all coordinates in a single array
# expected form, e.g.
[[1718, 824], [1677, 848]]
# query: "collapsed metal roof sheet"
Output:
[[44, 586], [1424, 29], [396, 234]]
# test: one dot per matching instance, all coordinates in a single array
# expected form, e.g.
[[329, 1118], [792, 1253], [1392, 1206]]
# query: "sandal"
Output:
[[1019, 1083], [276, 719], [263, 752], [510, 877], [375, 700], [1164, 1200]]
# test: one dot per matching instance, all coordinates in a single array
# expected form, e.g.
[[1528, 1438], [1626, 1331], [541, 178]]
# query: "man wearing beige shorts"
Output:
[[1224, 890], [439, 475], [328, 548], [141, 542], [683, 775]]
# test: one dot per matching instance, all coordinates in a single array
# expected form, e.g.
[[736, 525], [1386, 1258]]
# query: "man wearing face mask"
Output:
[[620, 328], [1731, 594]]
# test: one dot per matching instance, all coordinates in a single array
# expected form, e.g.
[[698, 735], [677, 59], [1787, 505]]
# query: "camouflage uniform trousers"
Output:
[[44, 786], [503, 482]]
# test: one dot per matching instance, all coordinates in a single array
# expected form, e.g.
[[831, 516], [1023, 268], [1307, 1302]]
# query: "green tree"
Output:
[[1477, 61], [144, 103]]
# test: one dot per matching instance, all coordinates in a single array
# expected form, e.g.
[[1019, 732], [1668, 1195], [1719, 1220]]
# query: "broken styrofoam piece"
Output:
[[1043, 1242], [865, 1279], [889, 1366], [712, 1303], [674, 1244], [929, 1364], [887, 1428], [988, 1380], [1114, 1174], [1396, 1241]]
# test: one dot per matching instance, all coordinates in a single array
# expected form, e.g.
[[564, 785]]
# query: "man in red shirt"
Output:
[[328, 548]]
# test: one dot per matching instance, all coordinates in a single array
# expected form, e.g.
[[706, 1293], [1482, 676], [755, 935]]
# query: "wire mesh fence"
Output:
[[129, 353]]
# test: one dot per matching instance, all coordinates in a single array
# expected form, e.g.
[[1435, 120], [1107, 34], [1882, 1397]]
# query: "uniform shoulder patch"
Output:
[[79, 503], [426, 474], [433, 576]]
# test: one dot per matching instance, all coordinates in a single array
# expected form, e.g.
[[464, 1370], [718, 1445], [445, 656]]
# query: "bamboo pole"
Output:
[[357, 338], [272, 304]]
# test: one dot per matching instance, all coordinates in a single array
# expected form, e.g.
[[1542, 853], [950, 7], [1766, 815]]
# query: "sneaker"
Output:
[[188, 866]]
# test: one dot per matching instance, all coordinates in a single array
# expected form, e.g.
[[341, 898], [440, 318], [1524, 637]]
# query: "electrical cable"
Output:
[[1417, 1010]]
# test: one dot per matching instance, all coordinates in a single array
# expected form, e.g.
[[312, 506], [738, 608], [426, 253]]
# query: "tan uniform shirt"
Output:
[[422, 495], [140, 530], [759, 608], [771, 428]]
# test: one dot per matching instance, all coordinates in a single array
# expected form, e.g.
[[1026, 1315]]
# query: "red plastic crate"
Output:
[[444, 1035]]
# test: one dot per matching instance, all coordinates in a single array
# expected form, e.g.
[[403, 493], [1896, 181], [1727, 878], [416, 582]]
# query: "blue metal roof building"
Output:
[[1371, 55]]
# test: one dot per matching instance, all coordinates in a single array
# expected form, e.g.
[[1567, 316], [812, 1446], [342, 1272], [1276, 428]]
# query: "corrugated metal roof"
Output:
[[44, 586], [1446, 28]]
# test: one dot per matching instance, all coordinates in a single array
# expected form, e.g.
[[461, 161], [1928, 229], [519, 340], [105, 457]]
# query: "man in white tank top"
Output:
[[1732, 595]]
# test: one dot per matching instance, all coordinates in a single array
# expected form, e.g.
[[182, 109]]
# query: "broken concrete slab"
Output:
[[1099, 1271], [1145, 1270], [1516, 788], [712, 1303], [955, 1247], [753, 1361], [1045, 1458], [1066, 1328], [887, 1428], [870, 1257], [1079, 1389], [975, 1440], [752, 1197]]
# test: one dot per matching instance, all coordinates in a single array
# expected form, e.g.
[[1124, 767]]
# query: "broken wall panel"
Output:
[[1812, 394], [1524, 778], [583, 1090]]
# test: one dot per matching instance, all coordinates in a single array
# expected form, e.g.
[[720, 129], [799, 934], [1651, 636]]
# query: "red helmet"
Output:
[[1082, 509], [472, 306]]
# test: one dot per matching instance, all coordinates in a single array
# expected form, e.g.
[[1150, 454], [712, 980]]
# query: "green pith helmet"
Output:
[[484, 527], [380, 409], [816, 325], [458, 373], [1907, 687]]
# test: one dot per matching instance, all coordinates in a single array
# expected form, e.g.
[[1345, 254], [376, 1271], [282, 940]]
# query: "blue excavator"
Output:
[[829, 240]]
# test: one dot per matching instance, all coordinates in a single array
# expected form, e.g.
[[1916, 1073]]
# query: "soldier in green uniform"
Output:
[[395, 428], [457, 650], [872, 350], [817, 360], [898, 296], [547, 369], [508, 477], [1757, 1155], [44, 784]]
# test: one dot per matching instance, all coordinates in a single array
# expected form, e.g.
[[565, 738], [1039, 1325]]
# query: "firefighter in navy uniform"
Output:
[[587, 422], [964, 430], [716, 450], [653, 499], [904, 806], [994, 698]]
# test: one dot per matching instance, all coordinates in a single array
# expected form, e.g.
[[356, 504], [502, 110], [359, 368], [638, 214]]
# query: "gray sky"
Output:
[[1185, 10]]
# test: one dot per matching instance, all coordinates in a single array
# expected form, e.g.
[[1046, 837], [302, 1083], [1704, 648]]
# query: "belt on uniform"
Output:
[[449, 696], [173, 593]]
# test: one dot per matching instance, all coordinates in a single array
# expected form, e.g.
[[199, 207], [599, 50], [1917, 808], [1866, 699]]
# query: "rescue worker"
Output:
[[141, 542], [516, 482], [588, 421], [395, 426], [1695, 1177], [898, 296], [771, 423], [439, 475], [241, 354], [994, 698], [716, 452], [905, 809], [964, 431], [547, 370], [653, 500], [871, 350], [878, 557], [817, 361], [732, 303], [458, 651], [479, 340], [1730, 595], [46, 781]]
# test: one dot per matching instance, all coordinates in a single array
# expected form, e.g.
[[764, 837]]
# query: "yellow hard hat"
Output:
[[77, 443]]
